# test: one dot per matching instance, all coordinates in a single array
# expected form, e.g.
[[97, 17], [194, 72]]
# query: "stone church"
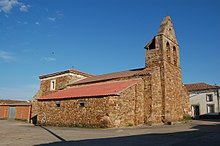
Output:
[[150, 95]]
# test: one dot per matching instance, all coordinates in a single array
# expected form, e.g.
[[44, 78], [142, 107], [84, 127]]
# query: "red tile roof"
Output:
[[200, 86], [66, 71], [110, 76], [94, 90], [6, 101], [24, 103]]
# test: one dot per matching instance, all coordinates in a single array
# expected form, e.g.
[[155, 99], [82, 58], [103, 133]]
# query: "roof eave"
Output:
[[77, 97]]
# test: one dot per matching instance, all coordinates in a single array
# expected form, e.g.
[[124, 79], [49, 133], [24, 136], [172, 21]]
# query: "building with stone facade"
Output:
[[204, 100], [150, 95]]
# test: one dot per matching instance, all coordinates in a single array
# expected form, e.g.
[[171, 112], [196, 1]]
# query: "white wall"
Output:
[[199, 98]]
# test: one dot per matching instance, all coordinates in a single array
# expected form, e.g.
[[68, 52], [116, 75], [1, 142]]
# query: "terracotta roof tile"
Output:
[[94, 90], [66, 71], [6, 101], [22, 103], [200, 86], [115, 75]]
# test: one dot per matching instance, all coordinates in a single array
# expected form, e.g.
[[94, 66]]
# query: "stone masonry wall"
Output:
[[171, 81], [60, 83], [156, 93], [71, 114], [147, 99], [186, 103], [173, 94], [128, 109], [109, 111], [45, 88], [167, 101]]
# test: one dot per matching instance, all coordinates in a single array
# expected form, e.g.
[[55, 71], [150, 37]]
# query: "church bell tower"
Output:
[[163, 52]]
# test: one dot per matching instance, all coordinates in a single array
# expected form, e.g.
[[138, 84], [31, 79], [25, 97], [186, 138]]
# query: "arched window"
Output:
[[168, 52], [174, 56]]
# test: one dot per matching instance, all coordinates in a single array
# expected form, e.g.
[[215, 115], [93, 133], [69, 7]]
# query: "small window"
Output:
[[52, 85], [210, 108], [82, 104], [209, 97], [168, 52], [58, 103], [174, 56]]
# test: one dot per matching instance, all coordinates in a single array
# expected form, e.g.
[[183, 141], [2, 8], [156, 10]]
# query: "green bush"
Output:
[[187, 117]]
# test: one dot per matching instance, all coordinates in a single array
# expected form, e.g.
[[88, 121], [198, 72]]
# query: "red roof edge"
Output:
[[200, 86], [66, 71]]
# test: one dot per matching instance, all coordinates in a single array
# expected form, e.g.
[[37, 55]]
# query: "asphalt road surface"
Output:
[[196, 132]]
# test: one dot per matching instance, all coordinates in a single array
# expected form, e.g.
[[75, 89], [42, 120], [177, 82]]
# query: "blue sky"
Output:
[[101, 36]]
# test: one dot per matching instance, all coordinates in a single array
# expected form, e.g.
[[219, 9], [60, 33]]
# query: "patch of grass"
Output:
[[187, 118]]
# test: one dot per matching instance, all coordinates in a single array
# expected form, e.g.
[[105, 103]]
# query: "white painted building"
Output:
[[204, 99]]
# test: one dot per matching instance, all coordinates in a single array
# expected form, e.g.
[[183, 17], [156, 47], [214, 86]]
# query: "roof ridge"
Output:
[[102, 83], [200, 86], [113, 75], [196, 83], [63, 72], [135, 69]]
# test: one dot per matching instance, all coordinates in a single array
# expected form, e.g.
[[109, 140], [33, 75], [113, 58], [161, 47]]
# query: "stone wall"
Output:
[[71, 114], [128, 109], [173, 94], [186, 102], [156, 99], [165, 97], [61, 82], [108, 111]]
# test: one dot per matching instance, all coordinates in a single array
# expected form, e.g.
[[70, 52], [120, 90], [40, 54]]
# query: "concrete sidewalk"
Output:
[[197, 132]]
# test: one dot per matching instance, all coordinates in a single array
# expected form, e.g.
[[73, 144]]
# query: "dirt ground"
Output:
[[196, 132]]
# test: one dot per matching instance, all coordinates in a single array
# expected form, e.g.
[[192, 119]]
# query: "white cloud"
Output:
[[48, 59], [37, 23], [24, 8], [51, 19], [7, 5], [6, 56]]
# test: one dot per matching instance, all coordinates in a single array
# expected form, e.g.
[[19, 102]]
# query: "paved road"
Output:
[[197, 132]]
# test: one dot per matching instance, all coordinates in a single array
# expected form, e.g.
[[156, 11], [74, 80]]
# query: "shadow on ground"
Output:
[[202, 135]]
